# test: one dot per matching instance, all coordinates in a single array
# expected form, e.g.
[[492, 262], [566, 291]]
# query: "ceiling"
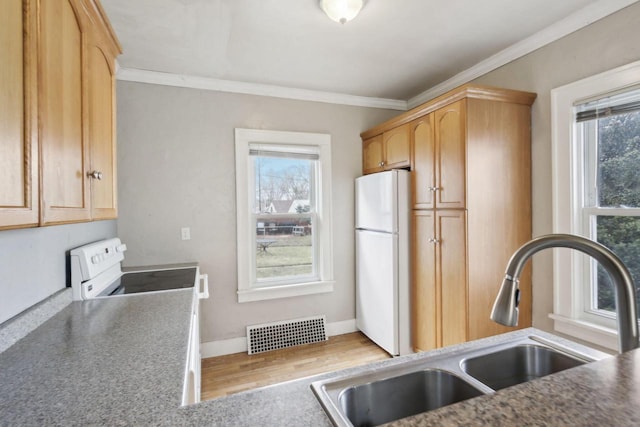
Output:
[[395, 49]]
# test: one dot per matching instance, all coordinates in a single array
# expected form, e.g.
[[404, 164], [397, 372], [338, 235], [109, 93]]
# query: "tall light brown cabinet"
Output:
[[470, 152], [57, 113]]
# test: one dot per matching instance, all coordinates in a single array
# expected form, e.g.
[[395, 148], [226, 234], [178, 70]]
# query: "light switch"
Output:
[[186, 233]]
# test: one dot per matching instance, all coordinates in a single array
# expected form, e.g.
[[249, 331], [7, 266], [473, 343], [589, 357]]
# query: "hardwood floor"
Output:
[[233, 373]]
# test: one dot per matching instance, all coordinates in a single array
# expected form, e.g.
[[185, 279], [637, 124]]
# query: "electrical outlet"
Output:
[[185, 232]]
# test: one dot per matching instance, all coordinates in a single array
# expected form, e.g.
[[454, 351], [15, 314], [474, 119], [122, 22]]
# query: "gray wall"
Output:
[[606, 44], [176, 168], [34, 261]]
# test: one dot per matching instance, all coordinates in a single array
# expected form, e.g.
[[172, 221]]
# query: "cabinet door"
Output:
[[18, 124], [101, 135], [451, 270], [397, 147], [65, 187], [425, 296], [450, 128], [372, 155], [423, 162]]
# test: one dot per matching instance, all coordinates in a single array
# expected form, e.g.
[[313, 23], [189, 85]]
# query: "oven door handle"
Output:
[[203, 279]]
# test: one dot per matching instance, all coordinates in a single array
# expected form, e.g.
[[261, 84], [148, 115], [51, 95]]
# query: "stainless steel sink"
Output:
[[414, 384], [389, 399], [517, 365]]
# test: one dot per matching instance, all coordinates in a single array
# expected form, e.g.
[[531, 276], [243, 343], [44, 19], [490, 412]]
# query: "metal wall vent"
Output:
[[288, 333]]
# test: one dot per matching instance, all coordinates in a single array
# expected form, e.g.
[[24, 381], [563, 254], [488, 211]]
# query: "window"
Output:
[[596, 157], [283, 188], [608, 129]]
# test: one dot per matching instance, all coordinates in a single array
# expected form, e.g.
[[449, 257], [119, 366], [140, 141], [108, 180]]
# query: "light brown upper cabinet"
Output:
[[390, 150], [63, 141], [423, 167], [397, 147], [58, 139], [438, 169], [18, 115], [102, 153], [450, 128], [372, 155]]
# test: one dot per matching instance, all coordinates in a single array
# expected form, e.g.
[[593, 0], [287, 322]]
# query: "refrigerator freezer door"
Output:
[[377, 288], [376, 202]]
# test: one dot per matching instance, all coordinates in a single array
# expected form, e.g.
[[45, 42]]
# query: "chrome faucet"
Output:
[[505, 308]]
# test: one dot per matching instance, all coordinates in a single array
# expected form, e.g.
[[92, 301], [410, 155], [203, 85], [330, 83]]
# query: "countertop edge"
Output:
[[19, 326]]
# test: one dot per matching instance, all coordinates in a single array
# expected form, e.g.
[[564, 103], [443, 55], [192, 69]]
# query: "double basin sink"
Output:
[[387, 394]]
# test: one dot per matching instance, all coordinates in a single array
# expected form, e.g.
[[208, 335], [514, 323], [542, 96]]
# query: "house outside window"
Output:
[[283, 188], [596, 154]]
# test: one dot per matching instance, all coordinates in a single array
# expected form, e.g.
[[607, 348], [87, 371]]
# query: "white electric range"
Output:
[[96, 272]]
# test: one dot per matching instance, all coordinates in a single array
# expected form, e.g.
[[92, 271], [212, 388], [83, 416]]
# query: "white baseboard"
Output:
[[223, 347], [339, 328], [239, 344]]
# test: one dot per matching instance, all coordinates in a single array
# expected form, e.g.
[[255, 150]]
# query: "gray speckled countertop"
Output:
[[106, 361], [120, 361]]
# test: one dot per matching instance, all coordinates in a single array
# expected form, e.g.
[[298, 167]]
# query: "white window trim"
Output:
[[567, 193], [245, 239]]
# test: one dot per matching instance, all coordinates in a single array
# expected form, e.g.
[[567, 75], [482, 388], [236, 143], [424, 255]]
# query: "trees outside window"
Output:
[[596, 194], [613, 196]]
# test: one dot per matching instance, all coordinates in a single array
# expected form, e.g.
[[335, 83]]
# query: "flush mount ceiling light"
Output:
[[341, 10]]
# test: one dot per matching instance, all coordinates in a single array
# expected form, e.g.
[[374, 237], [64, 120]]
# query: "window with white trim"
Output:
[[596, 157], [608, 129], [283, 188]]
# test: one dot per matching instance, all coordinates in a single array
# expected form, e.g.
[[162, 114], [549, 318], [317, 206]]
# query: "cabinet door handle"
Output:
[[95, 175], [381, 164], [434, 240], [434, 189]]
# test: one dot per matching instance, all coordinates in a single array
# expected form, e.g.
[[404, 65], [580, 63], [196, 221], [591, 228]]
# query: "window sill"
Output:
[[586, 331], [285, 291]]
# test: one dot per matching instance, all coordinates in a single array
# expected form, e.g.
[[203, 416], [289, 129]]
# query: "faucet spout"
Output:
[[505, 307]]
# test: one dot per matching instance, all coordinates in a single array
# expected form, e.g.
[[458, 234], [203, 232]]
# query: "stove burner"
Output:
[[151, 281]]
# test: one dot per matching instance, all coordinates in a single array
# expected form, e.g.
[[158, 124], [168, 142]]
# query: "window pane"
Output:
[[284, 248], [283, 245], [282, 185], [619, 160], [621, 234]]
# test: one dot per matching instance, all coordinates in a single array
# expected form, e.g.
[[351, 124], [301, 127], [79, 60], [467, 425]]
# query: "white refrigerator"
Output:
[[382, 259]]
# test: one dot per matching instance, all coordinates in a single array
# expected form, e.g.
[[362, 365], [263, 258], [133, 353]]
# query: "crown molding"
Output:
[[570, 24], [205, 83]]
